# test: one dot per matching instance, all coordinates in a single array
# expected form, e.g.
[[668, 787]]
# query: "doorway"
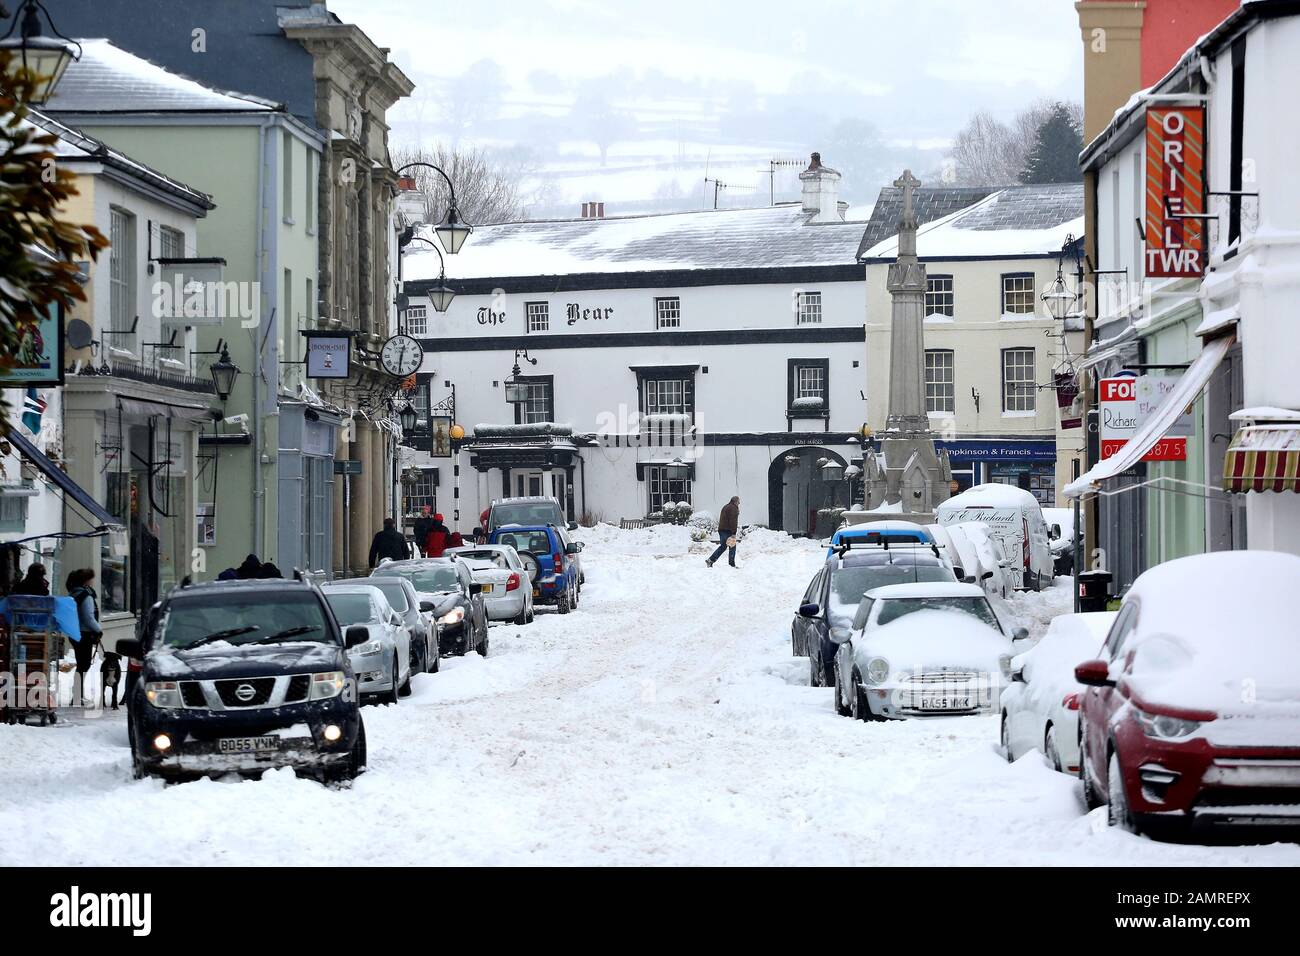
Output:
[[796, 490]]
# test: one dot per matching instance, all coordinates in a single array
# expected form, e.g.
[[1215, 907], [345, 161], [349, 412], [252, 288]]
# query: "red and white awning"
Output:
[[1263, 458]]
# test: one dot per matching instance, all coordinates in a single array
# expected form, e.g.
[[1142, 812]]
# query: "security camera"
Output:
[[240, 420]]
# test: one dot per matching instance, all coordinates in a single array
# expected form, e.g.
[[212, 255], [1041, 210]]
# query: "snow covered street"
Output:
[[663, 722]]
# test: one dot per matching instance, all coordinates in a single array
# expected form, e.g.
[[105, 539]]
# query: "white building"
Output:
[[728, 339]]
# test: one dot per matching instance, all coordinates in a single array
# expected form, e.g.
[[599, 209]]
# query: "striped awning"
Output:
[[1263, 458]]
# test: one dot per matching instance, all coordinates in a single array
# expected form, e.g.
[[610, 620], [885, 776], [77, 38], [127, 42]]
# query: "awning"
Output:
[[70, 488], [1160, 421], [1263, 458]]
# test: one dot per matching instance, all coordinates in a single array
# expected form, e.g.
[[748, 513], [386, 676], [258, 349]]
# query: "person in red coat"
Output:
[[437, 541]]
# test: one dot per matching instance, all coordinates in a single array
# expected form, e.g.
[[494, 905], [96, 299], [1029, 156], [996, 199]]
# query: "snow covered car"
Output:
[[1016, 518], [382, 664], [457, 600], [242, 677], [527, 511], [825, 616], [1060, 535], [557, 578], [922, 650], [1040, 707], [977, 552], [421, 626], [507, 585], [1191, 717], [877, 533]]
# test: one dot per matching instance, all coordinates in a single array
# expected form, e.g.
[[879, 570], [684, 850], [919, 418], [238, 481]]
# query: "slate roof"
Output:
[[108, 79], [930, 203], [768, 237]]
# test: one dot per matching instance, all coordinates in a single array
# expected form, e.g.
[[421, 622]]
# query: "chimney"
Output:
[[593, 210], [821, 191]]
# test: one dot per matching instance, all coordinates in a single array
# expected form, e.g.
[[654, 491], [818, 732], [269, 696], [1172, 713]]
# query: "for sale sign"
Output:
[[1125, 404], [1175, 191]]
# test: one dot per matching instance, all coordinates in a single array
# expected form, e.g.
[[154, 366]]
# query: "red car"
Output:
[[1191, 718]]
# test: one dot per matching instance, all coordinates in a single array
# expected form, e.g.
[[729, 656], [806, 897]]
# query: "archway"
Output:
[[796, 489]]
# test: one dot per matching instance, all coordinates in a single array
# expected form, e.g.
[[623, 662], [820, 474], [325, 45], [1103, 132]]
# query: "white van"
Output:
[[1015, 517]]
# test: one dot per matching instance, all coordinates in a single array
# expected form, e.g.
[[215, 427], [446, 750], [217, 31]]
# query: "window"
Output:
[[668, 396], [422, 493], [668, 313], [286, 188], [309, 303], [538, 316], [1018, 293], [309, 190], [807, 388], [121, 271], [1018, 391], [939, 381], [938, 295], [540, 404], [664, 489], [205, 520], [290, 320], [417, 320], [13, 505], [420, 400], [171, 243], [809, 307]]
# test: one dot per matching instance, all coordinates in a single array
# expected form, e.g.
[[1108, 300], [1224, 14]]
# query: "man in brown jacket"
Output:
[[728, 525]]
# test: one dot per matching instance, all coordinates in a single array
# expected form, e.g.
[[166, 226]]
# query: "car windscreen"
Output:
[[978, 607], [538, 542], [849, 584], [351, 608], [442, 577], [533, 512], [395, 593], [238, 617]]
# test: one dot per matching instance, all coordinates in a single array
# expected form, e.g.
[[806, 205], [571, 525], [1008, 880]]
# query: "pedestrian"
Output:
[[728, 525], [456, 540], [480, 536], [268, 570], [439, 535], [423, 525], [389, 543], [80, 587], [35, 582], [250, 569]]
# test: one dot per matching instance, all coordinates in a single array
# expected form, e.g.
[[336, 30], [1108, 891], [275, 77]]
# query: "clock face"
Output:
[[401, 356]]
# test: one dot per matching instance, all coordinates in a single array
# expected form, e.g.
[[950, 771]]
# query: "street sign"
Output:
[[1175, 192], [1126, 402], [328, 354], [347, 467]]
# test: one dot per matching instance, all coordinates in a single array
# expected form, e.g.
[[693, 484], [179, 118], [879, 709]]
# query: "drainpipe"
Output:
[[259, 494]]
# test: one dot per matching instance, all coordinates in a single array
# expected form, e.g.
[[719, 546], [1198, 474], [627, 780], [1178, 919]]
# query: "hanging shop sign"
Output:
[[440, 436], [328, 354], [38, 359], [1126, 402], [1175, 192]]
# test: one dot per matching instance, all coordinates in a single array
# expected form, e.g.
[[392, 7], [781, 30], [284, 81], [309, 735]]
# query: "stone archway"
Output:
[[796, 489]]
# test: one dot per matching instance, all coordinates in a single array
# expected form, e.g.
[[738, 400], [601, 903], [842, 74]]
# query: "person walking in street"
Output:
[[728, 525], [439, 535], [35, 582], [421, 529], [80, 586], [389, 543], [249, 570]]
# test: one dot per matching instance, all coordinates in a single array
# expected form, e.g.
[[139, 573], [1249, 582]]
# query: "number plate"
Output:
[[945, 703], [245, 745], [537, 592], [487, 589]]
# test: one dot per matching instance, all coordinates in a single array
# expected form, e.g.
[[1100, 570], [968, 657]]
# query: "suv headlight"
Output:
[[328, 684], [369, 647], [454, 616], [1163, 727], [164, 694], [878, 670]]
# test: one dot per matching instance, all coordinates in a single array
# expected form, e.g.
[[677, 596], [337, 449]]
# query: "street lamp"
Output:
[[224, 372], [408, 417], [677, 470], [452, 231], [440, 296], [516, 390], [832, 470], [1058, 298], [43, 57]]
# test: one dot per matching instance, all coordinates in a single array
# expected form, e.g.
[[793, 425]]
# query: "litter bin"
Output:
[[1094, 590]]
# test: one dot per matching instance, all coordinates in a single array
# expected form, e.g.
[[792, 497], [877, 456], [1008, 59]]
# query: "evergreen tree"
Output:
[[1054, 156]]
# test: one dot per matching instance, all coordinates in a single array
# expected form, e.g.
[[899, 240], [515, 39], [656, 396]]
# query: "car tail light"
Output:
[[557, 560], [1071, 702], [512, 583], [1024, 547]]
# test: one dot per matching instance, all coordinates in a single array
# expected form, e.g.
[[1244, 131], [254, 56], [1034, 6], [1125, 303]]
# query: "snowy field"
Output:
[[664, 722]]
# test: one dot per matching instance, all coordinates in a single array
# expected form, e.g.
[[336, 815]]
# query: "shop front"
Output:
[[1025, 463]]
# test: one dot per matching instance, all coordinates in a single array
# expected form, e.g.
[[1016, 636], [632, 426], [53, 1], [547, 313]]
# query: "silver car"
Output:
[[507, 588], [418, 618], [382, 665]]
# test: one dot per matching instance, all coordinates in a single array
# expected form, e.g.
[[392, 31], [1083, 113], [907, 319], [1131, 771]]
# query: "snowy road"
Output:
[[664, 722]]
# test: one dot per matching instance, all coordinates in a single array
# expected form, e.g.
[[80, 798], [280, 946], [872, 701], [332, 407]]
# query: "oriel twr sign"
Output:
[[1175, 191]]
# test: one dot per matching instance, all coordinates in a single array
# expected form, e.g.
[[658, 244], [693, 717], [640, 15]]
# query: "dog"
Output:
[[110, 675]]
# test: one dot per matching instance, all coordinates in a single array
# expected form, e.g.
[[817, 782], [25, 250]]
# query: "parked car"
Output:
[[383, 663], [1016, 518], [421, 626], [826, 613], [1040, 707], [529, 511], [556, 581], [507, 585], [244, 676], [991, 567], [1060, 535], [457, 600], [1191, 717], [918, 650], [877, 533]]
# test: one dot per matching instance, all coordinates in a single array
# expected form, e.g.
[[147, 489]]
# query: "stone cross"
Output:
[[908, 183]]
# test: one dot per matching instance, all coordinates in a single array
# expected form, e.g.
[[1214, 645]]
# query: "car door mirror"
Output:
[[571, 549], [572, 526], [132, 648], [959, 572], [1094, 674], [427, 607], [1020, 634], [355, 636], [986, 575], [811, 609]]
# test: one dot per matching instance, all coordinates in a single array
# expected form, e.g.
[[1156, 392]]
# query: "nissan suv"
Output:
[[242, 677]]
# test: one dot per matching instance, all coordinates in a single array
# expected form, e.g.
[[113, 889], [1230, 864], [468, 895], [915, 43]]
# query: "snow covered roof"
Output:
[[929, 203], [1013, 221], [991, 495], [108, 79], [769, 237]]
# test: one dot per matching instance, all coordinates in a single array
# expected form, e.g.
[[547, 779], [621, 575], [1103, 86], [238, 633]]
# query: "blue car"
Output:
[[551, 562], [878, 533]]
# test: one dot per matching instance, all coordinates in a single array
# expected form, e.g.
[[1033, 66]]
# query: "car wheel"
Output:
[[137, 765], [1117, 811], [1052, 751], [857, 699], [405, 689], [814, 672], [483, 644], [1005, 738], [1091, 798], [564, 606], [577, 595], [437, 659], [392, 695], [522, 617], [828, 673], [840, 707]]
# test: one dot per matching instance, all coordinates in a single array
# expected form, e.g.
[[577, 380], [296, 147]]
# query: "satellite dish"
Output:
[[79, 334]]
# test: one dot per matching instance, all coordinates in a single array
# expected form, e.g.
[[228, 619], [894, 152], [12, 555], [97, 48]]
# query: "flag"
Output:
[[33, 409]]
